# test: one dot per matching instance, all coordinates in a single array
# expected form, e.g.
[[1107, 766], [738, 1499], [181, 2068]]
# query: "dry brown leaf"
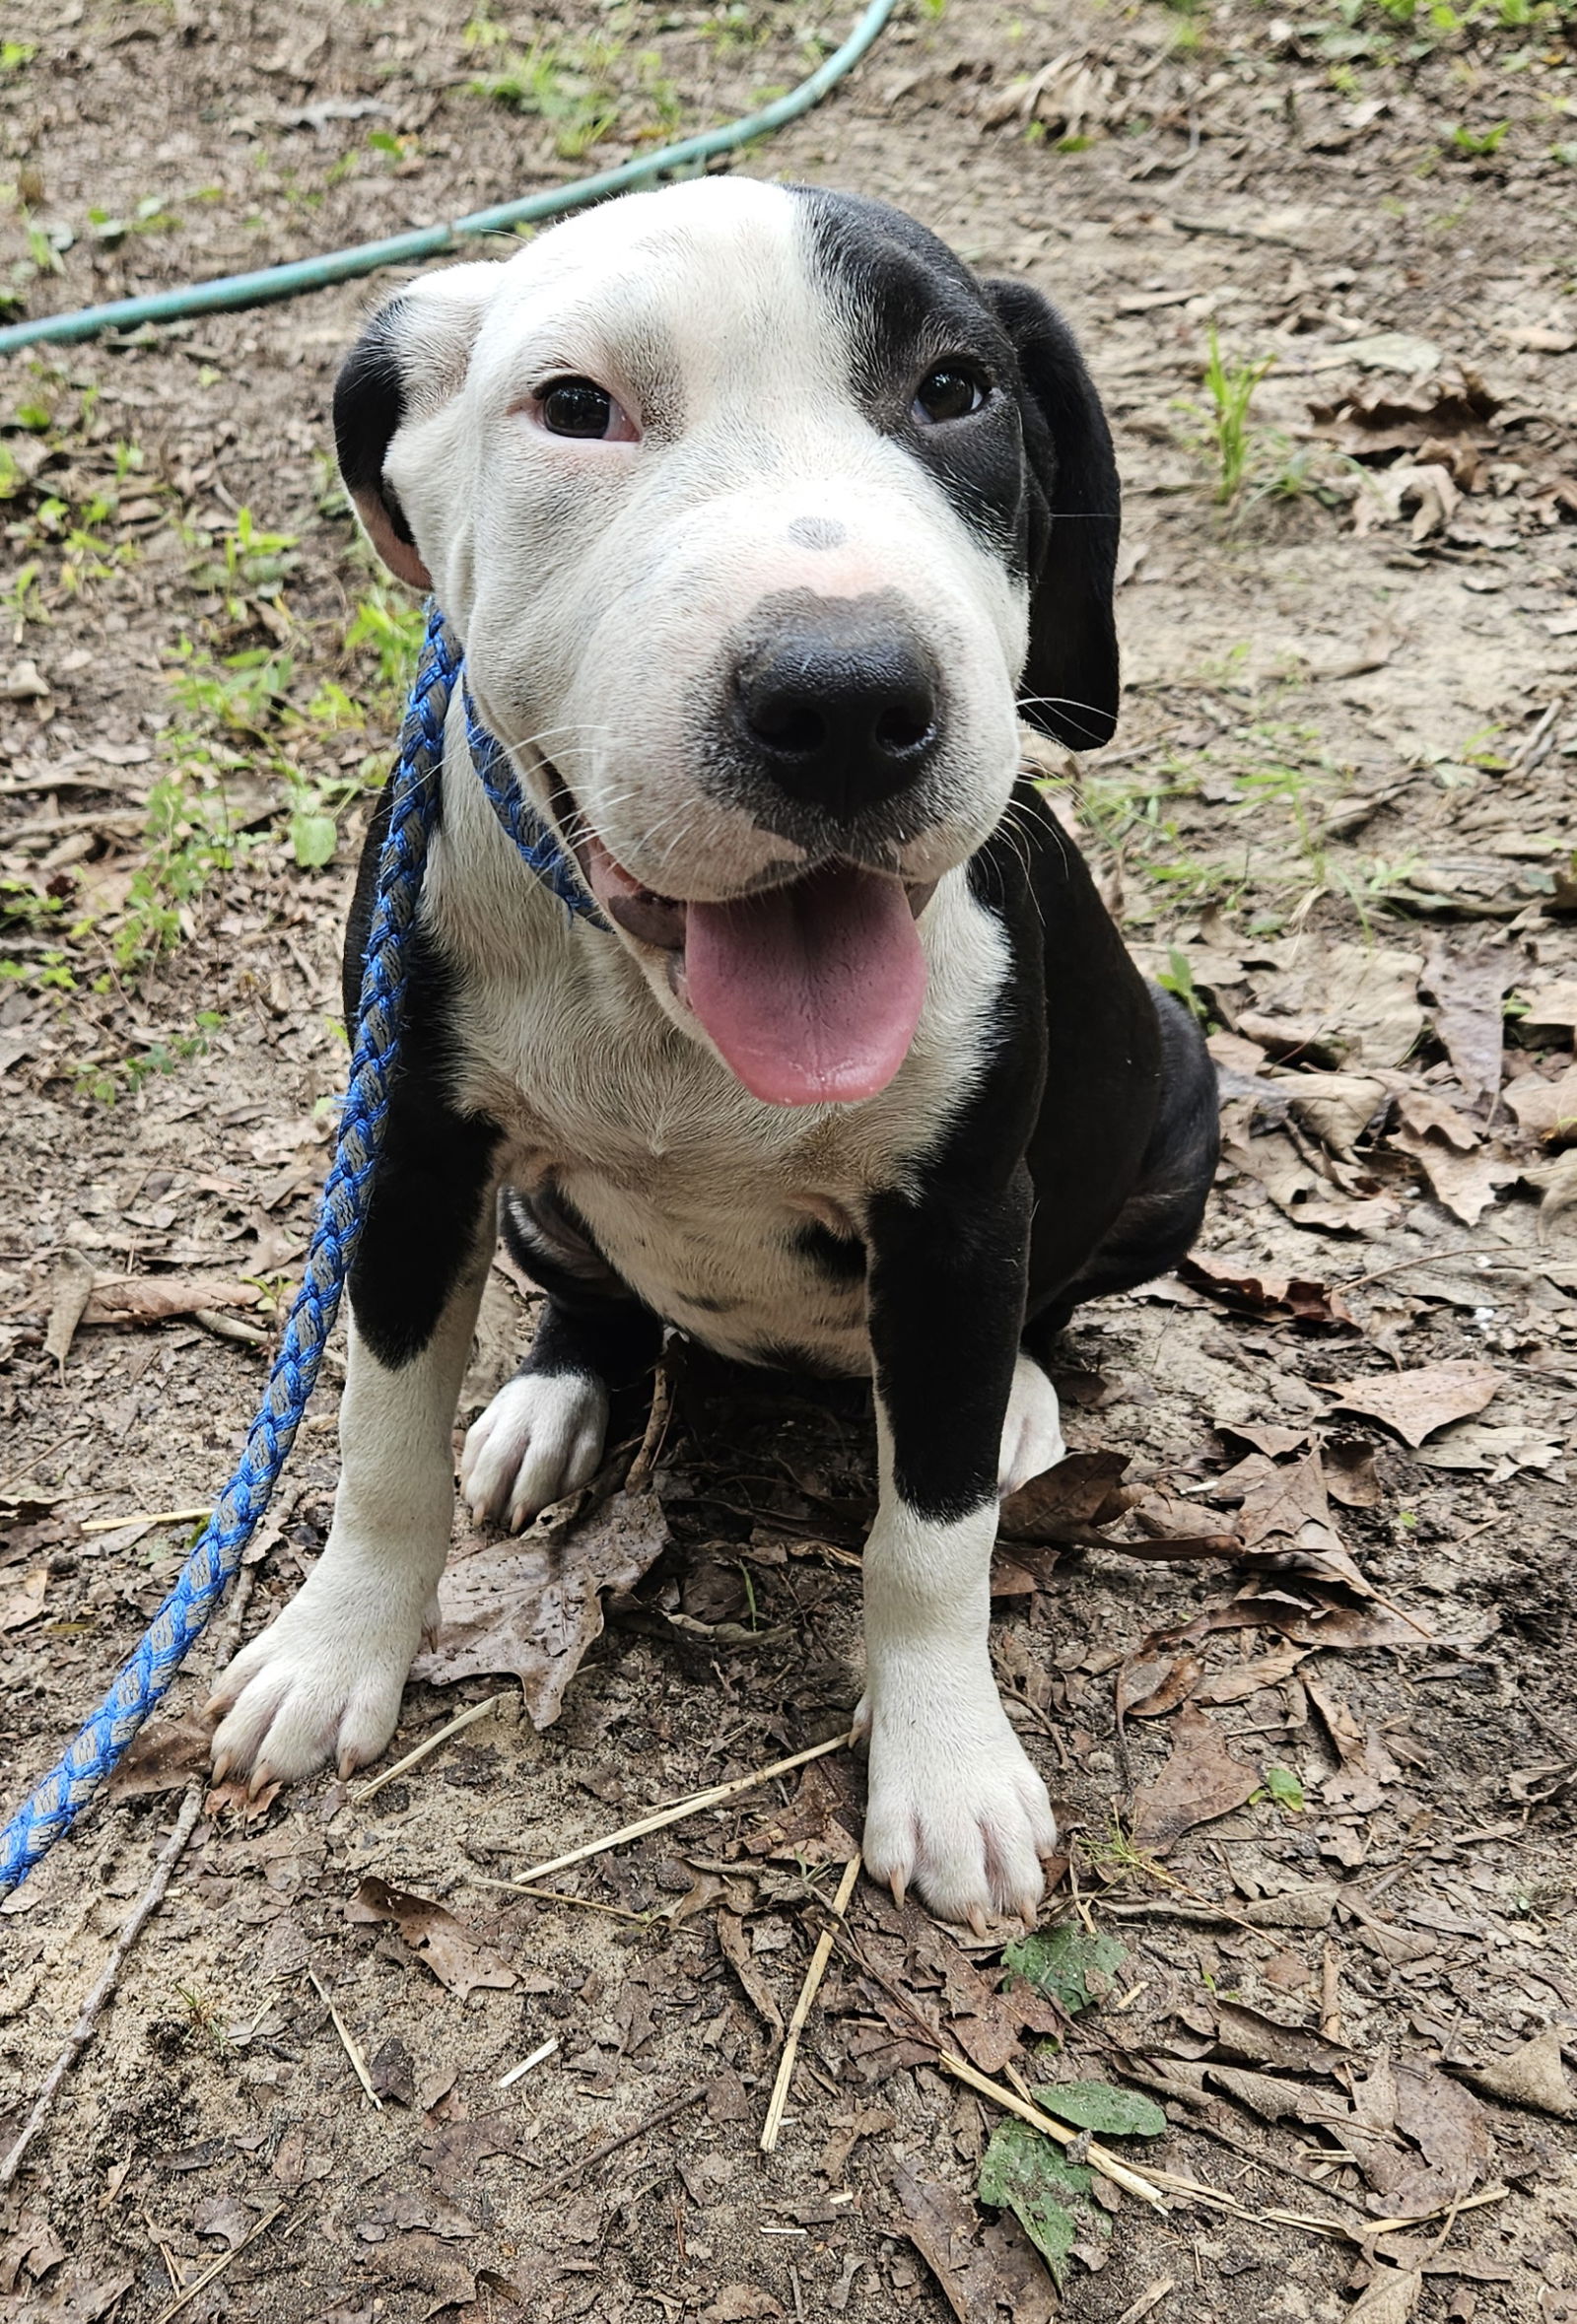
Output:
[[1147, 1688], [532, 1607], [1446, 2122], [1335, 1107], [1067, 1503], [980, 2275], [1392, 2298], [1465, 989], [1366, 1764], [434, 1935], [1239, 1679], [1553, 1009], [23, 1602], [162, 1759], [1200, 1781], [1249, 2034], [737, 1951], [1417, 1403], [1466, 1183], [419, 2263], [1530, 2077], [70, 1290], [1545, 1109], [735, 2303], [1429, 1115], [1301, 1195], [157, 1299], [1240, 1283]]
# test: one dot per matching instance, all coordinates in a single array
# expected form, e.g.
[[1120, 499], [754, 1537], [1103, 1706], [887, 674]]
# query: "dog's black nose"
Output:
[[837, 703]]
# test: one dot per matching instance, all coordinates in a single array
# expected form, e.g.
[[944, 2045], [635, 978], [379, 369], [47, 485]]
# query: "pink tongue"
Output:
[[811, 991]]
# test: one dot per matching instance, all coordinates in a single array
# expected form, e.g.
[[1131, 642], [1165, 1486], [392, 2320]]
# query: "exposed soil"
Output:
[[1339, 813]]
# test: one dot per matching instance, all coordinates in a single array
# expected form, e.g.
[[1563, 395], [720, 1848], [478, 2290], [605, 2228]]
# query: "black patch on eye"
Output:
[[842, 1258], [913, 306]]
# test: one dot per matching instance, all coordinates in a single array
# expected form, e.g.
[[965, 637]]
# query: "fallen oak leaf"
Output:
[[1465, 1183], [1262, 1291], [531, 1607], [1200, 1781], [434, 1936], [1416, 1404], [1068, 1502]]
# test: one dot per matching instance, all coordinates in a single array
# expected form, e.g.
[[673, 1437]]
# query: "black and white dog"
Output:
[[760, 518]]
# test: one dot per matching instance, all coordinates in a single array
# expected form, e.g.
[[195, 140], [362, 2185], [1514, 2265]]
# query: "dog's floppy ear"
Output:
[[407, 364], [1069, 685]]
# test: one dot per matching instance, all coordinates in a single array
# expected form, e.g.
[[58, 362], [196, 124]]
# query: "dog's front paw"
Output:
[[955, 1810], [540, 1438], [323, 1683]]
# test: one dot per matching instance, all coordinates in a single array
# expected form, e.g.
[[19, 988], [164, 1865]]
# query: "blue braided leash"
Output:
[[415, 787]]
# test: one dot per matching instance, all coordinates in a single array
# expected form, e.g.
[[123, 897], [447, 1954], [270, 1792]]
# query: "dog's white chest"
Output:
[[726, 1215]]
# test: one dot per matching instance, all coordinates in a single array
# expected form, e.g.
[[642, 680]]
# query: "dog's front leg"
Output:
[[955, 1806], [325, 1681]]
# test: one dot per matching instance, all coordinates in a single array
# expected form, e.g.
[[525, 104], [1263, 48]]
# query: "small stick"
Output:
[[1098, 2157], [1330, 1995], [1147, 2301], [112, 1525], [678, 1810], [219, 2266], [648, 2122], [353, 2048], [656, 1429], [615, 1912], [543, 2050], [82, 2032], [462, 1719], [808, 1994]]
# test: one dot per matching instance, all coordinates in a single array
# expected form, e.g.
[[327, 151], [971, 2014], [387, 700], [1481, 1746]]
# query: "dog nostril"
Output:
[[903, 728], [791, 728]]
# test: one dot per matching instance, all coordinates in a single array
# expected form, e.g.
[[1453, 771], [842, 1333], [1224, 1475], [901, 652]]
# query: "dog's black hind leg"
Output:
[[542, 1435], [1158, 1223]]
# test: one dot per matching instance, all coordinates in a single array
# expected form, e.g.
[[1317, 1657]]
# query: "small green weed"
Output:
[[1231, 392], [1476, 144]]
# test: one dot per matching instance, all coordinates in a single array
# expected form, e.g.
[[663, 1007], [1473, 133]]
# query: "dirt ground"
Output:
[[1290, 1634]]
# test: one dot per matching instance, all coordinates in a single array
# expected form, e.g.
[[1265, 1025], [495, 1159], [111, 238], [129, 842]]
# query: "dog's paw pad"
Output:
[[540, 1438]]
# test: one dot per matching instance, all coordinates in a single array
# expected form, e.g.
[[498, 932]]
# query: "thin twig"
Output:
[[1099, 2159], [82, 2032], [1427, 1259], [218, 2268], [112, 1525], [462, 1719], [614, 1912], [352, 2047], [678, 1810], [1329, 1994], [648, 2122], [808, 1994], [543, 2050], [656, 1429]]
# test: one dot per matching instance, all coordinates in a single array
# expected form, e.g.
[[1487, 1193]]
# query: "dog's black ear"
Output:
[[408, 362], [1069, 685]]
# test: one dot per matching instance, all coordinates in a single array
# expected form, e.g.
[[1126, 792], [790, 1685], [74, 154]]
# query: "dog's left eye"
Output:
[[950, 393], [580, 407]]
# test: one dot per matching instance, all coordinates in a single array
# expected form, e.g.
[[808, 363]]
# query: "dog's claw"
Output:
[[263, 1777], [898, 1886], [977, 1921], [221, 1767]]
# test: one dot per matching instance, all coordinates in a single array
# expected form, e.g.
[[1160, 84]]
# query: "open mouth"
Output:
[[809, 991]]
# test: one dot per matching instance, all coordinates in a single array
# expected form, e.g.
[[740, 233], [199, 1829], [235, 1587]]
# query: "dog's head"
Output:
[[760, 518]]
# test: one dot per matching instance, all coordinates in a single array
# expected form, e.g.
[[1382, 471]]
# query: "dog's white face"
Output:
[[725, 489]]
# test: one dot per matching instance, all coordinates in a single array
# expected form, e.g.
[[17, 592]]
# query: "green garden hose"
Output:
[[691, 155]]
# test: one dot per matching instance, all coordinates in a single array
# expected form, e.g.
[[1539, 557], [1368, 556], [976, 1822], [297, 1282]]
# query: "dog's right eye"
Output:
[[578, 407]]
